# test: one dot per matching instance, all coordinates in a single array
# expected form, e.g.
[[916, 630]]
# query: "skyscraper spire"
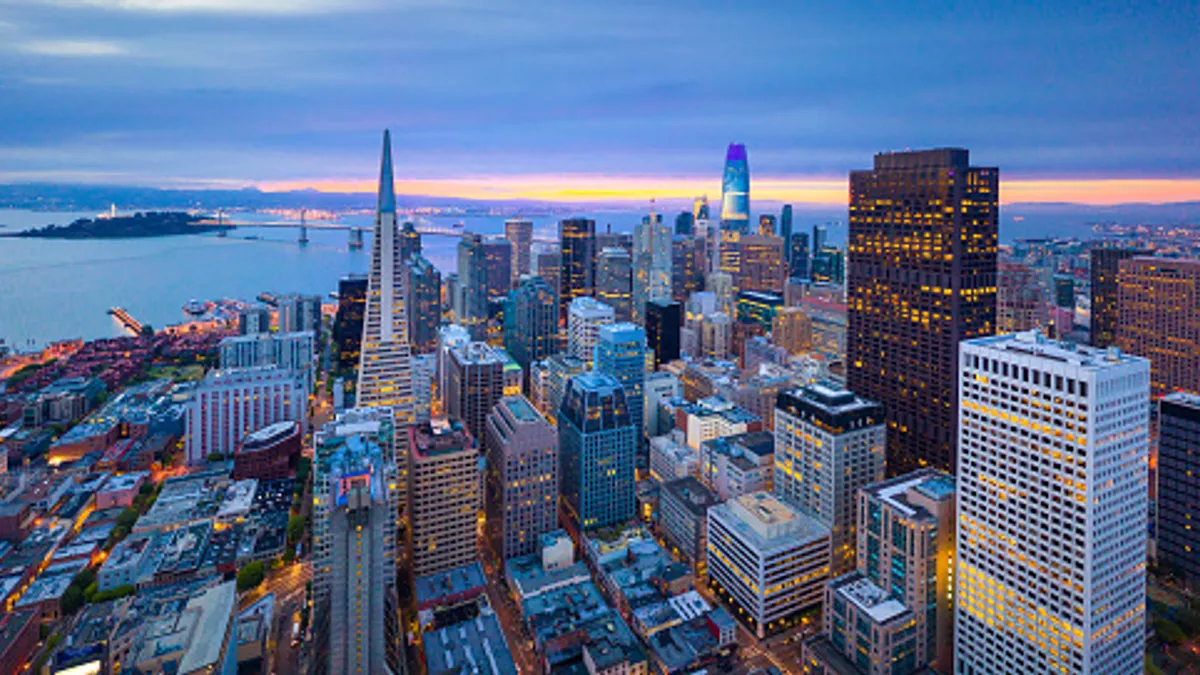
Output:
[[387, 189]]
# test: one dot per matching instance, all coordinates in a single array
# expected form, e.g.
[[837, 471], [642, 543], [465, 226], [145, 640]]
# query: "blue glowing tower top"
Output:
[[735, 190]]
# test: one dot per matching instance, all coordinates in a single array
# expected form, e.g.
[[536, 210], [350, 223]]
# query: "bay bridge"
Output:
[[355, 231]]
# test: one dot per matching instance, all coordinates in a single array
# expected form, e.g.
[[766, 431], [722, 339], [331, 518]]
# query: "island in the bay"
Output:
[[148, 224]]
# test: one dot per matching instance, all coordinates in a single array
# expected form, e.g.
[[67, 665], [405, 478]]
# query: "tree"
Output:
[[251, 576], [215, 457], [295, 529], [89, 592], [71, 600], [147, 488], [127, 519], [113, 594], [1168, 632]]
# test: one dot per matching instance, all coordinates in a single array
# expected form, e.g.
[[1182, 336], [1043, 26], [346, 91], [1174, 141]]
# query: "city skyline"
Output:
[[520, 125]]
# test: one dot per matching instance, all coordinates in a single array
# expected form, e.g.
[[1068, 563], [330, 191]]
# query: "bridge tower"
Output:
[[356, 238], [303, 228]]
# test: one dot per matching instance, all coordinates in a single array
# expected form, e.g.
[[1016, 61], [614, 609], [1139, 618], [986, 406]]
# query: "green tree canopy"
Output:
[[251, 576]]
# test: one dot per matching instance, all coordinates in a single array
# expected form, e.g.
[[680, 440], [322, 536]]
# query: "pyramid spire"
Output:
[[387, 190]]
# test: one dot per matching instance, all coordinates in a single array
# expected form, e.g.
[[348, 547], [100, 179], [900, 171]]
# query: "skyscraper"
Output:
[[424, 303], [614, 281], [785, 233], [531, 322], [474, 382], [684, 222], [663, 323], [819, 234], [522, 478], [585, 316], [520, 234], [547, 264], [385, 374], [735, 190], [798, 267], [829, 443], [1159, 311], [621, 353], [228, 404], [923, 239], [766, 225], [299, 313], [355, 502], [410, 240], [1105, 266], [470, 305], [1052, 508], [348, 323], [792, 329], [761, 266], [1178, 542], [446, 495], [499, 255], [1020, 301], [651, 264], [576, 280], [700, 208], [596, 451], [687, 259]]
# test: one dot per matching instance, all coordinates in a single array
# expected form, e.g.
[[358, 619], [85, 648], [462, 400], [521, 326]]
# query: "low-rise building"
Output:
[[683, 518], [18, 640], [475, 647], [120, 490], [269, 453], [671, 457], [736, 465]]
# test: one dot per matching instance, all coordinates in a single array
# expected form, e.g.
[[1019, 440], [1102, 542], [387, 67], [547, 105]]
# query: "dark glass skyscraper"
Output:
[[471, 301], [410, 240], [663, 321], [684, 222], [596, 451], [1179, 483], [348, 324], [1106, 264], [785, 231], [922, 278], [735, 190], [531, 323], [424, 304], [577, 276], [798, 256]]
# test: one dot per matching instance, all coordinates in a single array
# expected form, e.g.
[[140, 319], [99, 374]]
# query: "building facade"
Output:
[[597, 447], [621, 353], [1052, 508], [519, 233], [531, 322], [614, 281], [424, 304], [1106, 287], [577, 276], [584, 319], [683, 517], [1020, 300], [474, 382], [228, 404], [522, 478], [446, 496], [287, 351], [663, 322], [1159, 311], [922, 247], [348, 322], [735, 190], [1178, 542]]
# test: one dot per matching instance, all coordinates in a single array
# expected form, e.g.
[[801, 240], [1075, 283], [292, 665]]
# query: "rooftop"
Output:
[[451, 582], [270, 434], [868, 598], [930, 483], [475, 647], [692, 494], [1032, 343], [768, 523]]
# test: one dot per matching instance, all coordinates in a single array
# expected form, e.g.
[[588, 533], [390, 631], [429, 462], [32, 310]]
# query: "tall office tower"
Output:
[[720, 284], [1105, 265], [895, 613], [584, 318], [355, 501], [424, 370], [424, 304], [384, 372], [761, 264], [522, 478], [410, 240], [560, 368], [449, 337], [686, 257], [684, 222], [577, 237], [651, 264], [1159, 312], [499, 255], [663, 323], [1020, 302], [792, 330], [766, 559], [1064, 291], [531, 322], [828, 265], [923, 238], [298, 313], [766, 225], [735, 190], [470, 306], [700, 208], [597, 448], [660, 386], [1052, 509], [1178, 542], [228, 404], [614, 281], [348, 323], [716, 336], [474, 382], [288, 351], [621, 353], [446, 495], [829, 443], [547, 264], [785, 233], [253, 320], [519, 233], [819, 236], [798, 264]]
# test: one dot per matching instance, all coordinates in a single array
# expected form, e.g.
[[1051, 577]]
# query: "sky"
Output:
[[620, 99]]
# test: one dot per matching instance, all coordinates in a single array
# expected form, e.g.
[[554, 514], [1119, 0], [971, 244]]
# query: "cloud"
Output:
[[267, 7], [72, 48]]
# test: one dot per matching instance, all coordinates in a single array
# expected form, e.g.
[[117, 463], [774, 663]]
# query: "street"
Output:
[[515, 631]]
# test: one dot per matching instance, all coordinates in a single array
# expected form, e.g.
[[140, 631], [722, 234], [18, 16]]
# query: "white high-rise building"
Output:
[[585, 315], [291, 351], [384, 372], [228, 404], [1052, 476], [829, 443]]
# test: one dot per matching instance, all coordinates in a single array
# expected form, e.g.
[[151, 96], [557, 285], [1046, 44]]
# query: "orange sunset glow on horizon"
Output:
[[816, 191]]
